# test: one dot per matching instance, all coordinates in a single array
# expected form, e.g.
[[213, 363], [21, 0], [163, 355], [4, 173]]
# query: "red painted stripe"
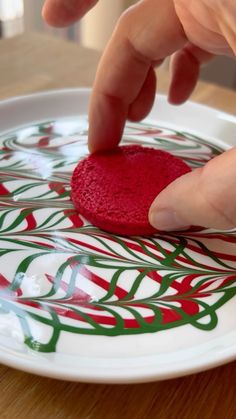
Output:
[[90, 246], [138, 248], [46, 245], [198, 249], [169, 315], [154, 275], [219, 255], [119, 292], [185, 284], [3, 190], [219, 236], [4, 283], [102, 320], [57, 187], [31, 222], [189, 307], [228, 280], [111, 321], [181, 287], [74, 218], [30, 303], [4, 286], [135, 246], [44, 142]]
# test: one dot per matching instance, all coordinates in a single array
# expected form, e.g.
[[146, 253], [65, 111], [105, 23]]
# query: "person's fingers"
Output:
[[61, 13], [228, 22], [205, 197], [124, 75], [185, 67], [142, 105], [205, 24]]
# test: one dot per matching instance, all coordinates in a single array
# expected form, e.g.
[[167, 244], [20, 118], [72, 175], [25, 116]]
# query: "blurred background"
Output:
[[17, 16]]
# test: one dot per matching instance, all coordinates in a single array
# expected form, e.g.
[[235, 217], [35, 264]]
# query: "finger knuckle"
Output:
[[125, 21], [126, 32]]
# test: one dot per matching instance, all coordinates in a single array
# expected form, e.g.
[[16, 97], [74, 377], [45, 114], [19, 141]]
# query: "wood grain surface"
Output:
[[31, 63]]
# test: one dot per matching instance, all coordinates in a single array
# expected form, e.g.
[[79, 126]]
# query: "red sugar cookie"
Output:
[[114, 189]]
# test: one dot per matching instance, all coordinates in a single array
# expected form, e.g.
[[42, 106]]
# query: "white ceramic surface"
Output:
[[80, 304]]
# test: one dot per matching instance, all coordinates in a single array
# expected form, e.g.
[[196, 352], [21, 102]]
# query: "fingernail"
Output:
[[167, 220]]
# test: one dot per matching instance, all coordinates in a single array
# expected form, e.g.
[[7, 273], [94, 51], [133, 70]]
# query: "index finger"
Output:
[[61, 13], [146, 33]]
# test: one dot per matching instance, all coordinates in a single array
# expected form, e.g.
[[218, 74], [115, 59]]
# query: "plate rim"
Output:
[[88, 90], [114, 375]]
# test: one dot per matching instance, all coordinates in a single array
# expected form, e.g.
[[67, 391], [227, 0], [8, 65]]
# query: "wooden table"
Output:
[[31, 63]]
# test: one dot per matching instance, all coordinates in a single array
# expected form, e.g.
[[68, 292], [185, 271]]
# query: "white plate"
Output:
[[80, 304]]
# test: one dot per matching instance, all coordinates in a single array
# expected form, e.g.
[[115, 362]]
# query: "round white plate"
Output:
[[80, 304]]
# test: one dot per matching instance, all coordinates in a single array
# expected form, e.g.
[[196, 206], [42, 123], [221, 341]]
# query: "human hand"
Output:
[[145, 35], [60, 13]]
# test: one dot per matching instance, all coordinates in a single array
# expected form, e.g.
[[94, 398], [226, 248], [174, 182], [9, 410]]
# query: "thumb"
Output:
[[205, 197]]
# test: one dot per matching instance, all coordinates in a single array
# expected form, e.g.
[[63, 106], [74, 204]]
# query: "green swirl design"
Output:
[[64, 275]]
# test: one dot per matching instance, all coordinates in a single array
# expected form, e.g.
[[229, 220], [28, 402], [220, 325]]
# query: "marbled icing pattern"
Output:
[[61, 274]]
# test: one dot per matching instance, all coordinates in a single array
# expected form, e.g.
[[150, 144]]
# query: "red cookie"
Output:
[[114, 189]]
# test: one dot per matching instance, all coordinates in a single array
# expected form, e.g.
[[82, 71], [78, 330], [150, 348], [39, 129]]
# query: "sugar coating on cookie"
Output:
[[114, 189]]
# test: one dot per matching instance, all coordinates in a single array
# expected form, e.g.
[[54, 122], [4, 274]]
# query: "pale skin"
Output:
[[192, 31]]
